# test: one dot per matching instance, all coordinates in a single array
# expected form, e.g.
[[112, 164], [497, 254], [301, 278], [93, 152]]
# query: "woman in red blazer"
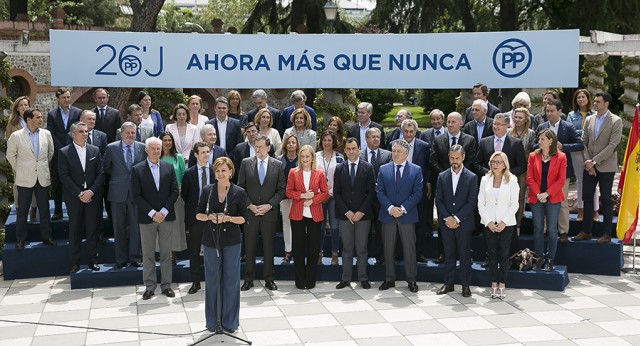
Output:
[[307, 189], [546, 172]]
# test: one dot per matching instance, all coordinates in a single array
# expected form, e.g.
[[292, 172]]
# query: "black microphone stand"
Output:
[[216, 242]]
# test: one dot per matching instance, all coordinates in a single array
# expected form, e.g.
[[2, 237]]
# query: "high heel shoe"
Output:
[[494, 293], [502, 293]]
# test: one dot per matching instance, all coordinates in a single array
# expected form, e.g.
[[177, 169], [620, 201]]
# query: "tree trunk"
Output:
[[297, 14], [508, 17], [467, 16]]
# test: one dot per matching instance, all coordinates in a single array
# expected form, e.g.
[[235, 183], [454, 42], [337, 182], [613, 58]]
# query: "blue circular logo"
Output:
[[512, 58]]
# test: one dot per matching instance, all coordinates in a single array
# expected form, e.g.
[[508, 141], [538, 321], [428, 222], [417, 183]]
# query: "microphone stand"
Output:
[[216, 242]]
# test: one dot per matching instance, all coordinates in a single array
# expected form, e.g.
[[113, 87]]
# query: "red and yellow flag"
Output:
[[629, 185]]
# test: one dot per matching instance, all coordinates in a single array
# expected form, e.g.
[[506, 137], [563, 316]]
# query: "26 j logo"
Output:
[[128, 61]]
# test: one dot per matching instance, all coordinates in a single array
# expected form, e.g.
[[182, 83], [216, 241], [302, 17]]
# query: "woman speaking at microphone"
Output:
[[223, 206]]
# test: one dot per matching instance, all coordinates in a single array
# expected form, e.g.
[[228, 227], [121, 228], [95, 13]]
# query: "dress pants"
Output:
[[82, 216], [354, 235], [126, 230], [148, 234], [56, 185], [578, 168], [225, 270], [376, 228], [306, 245], [252, 228], [424, 226], [550, 212], [195, 243], [407, 234], [605, 181], [42, 200], [498, 253], [457, 242]]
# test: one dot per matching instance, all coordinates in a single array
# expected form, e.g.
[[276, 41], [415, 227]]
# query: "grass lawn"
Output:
[[417, 114]]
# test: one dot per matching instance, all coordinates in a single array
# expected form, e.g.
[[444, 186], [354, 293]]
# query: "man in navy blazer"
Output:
[[456, 199], [155, 190], [260, 98], [108, 119], [353, 190], [195, 178], [298, 99], [227, 128], [59, 121], [568, 142], [209, 136], [80, 169], [399, 189], [118, 165]]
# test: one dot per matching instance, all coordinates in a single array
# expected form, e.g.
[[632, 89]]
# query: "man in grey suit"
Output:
[[263, 178], [155, 190], [29, 151], [377, 157], [134, 115], [119, 159]]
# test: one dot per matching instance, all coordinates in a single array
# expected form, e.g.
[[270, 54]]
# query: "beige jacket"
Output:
[[603, 148], [28, 168]]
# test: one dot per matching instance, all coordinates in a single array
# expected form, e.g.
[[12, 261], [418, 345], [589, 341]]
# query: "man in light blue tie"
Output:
[[263, 178]]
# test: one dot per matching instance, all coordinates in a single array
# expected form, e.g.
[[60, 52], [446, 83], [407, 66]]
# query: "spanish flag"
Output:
[[628, 215]]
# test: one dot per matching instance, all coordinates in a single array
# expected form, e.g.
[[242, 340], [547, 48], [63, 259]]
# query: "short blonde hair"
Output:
[[307, 117], [309, 149], [258, 116], [506, 174], [223, 160]]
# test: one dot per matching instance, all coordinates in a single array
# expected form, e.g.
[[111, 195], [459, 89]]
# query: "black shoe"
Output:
[[94, 266], [413, 286], [195, 287], [56, 216], [246, 285], [49, 242], [20, 245], [540, 264], [342, 284], [421, 259], [365, 284], [136, 264], [74, 268], [386, 285], [168, 292], [485, 264], [445, 289], [466, 291], [271, 285], [440, 259], [380, 261], [120, 265], [147, 295], [102, 240], [548, 267]]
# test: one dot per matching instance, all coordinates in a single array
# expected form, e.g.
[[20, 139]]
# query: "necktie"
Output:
[[129, 157], [498, 146], [138, 135], [453, 141], [437, 133], [261, 172], [353, 173], [373, 158], [203, 179], [89, 139], [398, 177], [102, 114]]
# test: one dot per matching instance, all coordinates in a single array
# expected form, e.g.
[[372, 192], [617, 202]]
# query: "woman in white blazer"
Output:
[[184, 133], [498, 204]]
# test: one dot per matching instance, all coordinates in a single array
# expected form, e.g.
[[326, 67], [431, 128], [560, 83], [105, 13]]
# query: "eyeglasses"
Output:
[[494, 162]]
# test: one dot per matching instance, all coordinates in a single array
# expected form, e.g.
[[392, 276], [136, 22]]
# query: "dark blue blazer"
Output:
[[395, 134], [55, 125], [462, 204], [277, 119], [234, 135], [73, 178], [286, 117], [570, 139], [408, 194], [421, 152], [145, 194], [471, 129], [357, 196], [190, 192], [216, 152], [110, 124], [512, 147]]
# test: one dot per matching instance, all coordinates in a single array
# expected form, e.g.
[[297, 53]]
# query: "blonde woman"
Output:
[[264, 119], [302, 128], [194, 104]]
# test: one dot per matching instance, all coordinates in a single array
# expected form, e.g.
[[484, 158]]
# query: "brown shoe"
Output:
[[604, 239], [334, 258], [596, 216], [582, 236], [563, 237], [32, 214], [580, 216]]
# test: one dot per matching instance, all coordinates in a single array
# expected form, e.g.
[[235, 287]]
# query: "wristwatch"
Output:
[[593, 161]]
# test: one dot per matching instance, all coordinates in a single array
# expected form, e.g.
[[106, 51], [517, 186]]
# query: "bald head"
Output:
[[454, 123]]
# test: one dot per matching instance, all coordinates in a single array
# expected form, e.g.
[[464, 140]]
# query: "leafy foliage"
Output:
[[78, 12], [381, 99]]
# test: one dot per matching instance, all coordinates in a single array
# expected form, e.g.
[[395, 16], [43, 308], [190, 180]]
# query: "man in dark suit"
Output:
[[456, 198], [298, 99], [480, 92], [59, 121], [354, 189], [209, 136], [119, 159], [246, 149], [568, 141], [263, 179], [227, 129], [80, 169], [377, 157], [399, 189], [155, 190], [260, 98], [436, 129], [540, 118], [439, 158], [108, 118], [396, 133], [481, 126], [134, 115], [195, 178], [358, 130]]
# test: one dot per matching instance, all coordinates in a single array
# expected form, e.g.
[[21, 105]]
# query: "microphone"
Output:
[[208, 200]]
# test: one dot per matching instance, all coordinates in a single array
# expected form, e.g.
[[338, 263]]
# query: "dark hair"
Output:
[[134, 107], [606, 97], [142, 94], [352, 140], [555, 102], [333, 136], [553, 149], [61, 91], [250, 124], [484, 88], [174, 152], [174, 115], [28, 113], [552, 93], [99, 90], [340, 125], [198, 145], [575, 99], [285, 141]]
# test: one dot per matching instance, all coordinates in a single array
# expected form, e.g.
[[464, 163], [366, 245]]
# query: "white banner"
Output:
[[527, 59]]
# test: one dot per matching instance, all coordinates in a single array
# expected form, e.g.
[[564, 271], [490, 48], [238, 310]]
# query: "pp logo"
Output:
[[512, 58]]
